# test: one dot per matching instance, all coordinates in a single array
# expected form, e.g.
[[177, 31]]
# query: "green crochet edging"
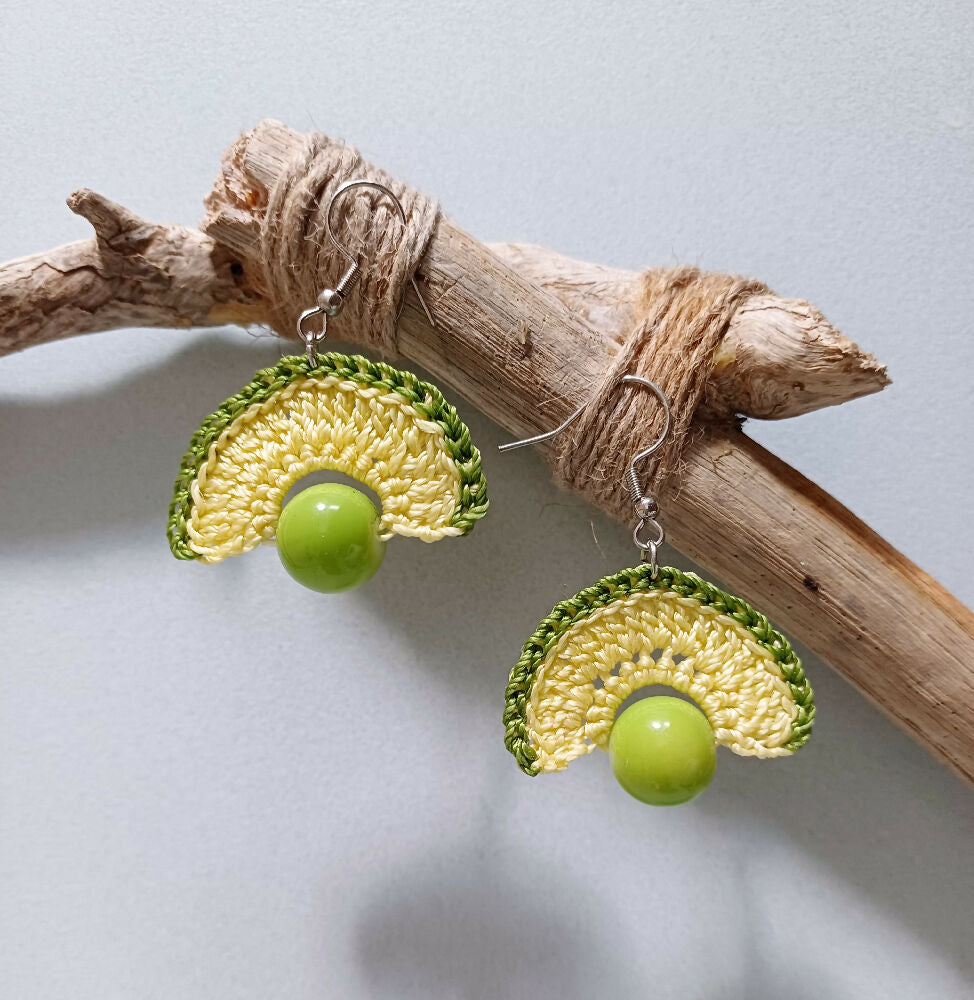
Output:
[[613, 588], [425, 398]]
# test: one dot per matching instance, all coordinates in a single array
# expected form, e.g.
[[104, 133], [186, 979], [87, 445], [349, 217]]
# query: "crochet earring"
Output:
[[377, 424], [645, 626]]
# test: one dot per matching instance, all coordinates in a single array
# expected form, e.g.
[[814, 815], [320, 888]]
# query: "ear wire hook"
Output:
[[645, 506], [331, 301]]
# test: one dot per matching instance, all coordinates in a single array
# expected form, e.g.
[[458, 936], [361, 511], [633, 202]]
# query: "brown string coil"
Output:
[[299, 260], [682, 316]]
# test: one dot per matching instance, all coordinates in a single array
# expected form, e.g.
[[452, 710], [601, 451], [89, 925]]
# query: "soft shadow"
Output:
[[460, 923], [865, 801], [106, 459], [861, 799]]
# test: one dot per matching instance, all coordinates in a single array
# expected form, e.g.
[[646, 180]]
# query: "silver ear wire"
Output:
[[331, 301], [645, 506]]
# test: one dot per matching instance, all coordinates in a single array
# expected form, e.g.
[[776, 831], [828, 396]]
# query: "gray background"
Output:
[[214, 784]]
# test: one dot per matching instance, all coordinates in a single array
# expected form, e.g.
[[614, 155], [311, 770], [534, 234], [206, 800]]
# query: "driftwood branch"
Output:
[[131, 274], [780, 357], [524, 333]]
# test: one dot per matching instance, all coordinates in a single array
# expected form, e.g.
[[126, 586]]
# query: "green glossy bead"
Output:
[[328, 538], [663, 751]]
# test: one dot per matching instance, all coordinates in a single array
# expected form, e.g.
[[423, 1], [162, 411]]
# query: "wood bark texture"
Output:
[[523, 334]]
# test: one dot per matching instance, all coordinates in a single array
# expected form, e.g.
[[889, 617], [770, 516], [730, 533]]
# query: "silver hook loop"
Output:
[[649, 547], [636, 493], [645, 506], [631, 477], [332, 300], [310, 336]]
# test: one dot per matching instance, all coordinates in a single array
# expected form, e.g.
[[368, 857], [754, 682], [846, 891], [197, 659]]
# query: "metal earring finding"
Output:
[[331, 301], [648, 534]]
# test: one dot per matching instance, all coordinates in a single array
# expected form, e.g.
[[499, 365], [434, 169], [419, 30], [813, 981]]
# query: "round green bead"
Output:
[[328, 538], [663, 751]]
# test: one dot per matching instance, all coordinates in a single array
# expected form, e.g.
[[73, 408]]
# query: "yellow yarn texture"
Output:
[[229, 495], [631, 631]]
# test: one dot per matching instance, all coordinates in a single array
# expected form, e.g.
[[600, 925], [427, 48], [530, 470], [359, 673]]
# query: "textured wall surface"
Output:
[[217, 786]]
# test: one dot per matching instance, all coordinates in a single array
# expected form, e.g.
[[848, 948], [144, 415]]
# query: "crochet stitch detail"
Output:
[[628, 631], [375, 423]]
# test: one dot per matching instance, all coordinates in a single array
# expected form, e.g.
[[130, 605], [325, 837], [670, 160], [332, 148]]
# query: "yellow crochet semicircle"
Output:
[[367, 432], [657, 637]]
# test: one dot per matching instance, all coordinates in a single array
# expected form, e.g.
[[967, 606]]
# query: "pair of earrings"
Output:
[[648, 625]]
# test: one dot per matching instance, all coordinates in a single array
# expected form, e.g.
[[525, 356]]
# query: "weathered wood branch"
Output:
[[132, 273], [780, 357], [524, 334]]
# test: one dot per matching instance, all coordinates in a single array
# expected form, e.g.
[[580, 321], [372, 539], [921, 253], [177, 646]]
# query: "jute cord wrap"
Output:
[[299, 260], [682, 317]]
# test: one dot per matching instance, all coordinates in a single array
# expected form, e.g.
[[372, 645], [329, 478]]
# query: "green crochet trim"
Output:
[[621, 585], [425, 398]]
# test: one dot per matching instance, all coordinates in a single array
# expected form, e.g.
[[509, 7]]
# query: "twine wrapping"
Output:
[[683, 314], [299, 259]]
